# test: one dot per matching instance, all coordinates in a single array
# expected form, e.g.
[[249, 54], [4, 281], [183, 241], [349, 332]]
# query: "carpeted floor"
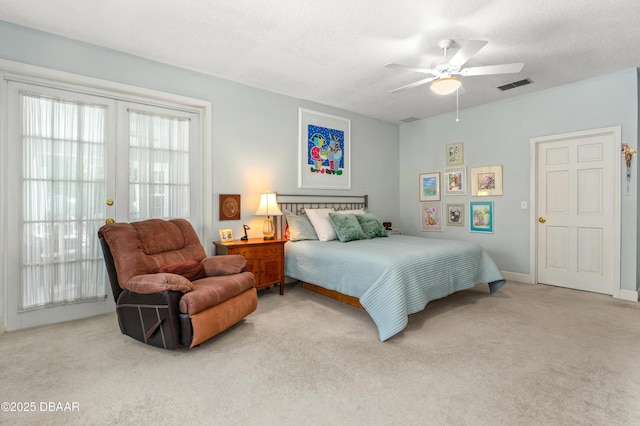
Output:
[[527, 355]]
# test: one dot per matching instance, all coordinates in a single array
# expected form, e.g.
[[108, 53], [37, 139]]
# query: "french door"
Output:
[[76, 160]]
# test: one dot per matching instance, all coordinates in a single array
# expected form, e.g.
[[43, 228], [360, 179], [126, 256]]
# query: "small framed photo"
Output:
[[429, 186], [486, 181], [226, 235], [431, 214], [481, 216], [455, 180], [455, 214], [455, 154]]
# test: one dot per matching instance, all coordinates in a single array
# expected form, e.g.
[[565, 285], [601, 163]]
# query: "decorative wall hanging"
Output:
[[455, 154], [455, 181], [455, 214], [628, 153], [486, 181], [324, 150], [229, 207], [481, 216], [431, 214], [429, 186]]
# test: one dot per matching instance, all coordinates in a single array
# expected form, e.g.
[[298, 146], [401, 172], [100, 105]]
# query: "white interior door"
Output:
[[577, 198]]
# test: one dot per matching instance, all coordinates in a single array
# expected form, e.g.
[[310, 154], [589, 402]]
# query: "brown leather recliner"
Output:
[[168, 293]]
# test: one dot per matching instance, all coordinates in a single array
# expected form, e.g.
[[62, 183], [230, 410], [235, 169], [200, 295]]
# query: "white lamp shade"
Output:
[[445, 86], [268, 205]]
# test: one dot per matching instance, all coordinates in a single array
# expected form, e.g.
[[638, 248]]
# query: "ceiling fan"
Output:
[[443, 80]]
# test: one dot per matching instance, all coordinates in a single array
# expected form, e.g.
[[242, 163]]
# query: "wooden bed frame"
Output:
[[297, 203]]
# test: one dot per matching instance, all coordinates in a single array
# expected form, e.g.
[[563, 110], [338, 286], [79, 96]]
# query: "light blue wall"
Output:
[[500, 134], [254, 131]]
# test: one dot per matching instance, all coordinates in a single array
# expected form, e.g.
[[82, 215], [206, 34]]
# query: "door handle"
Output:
[[542, 219], [109, 220]]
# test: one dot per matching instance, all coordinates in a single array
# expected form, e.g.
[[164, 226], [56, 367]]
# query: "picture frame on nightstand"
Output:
[[226, 235]]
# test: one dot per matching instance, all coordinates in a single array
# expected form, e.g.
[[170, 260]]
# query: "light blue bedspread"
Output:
[[393, 277]]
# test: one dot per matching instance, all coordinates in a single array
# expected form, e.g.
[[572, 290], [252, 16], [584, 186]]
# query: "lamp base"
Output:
[[268, 230]]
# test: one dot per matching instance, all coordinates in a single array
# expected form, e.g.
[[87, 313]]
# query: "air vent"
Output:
[[409, 119], [515, 84]]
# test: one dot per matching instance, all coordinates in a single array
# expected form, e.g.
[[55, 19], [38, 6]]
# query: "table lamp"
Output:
[[268, 207]]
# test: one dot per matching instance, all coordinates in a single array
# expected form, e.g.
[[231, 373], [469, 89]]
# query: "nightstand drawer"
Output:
[[252, 252]]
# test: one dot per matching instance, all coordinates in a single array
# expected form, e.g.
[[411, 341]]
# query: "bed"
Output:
[[390, 277]]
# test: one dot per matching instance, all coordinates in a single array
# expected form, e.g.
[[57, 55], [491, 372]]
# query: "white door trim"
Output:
[[533, 213]]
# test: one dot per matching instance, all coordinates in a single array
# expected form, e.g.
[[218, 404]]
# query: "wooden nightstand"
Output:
[[265, 258]]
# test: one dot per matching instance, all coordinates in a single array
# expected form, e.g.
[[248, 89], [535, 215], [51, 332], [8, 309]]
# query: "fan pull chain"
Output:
[[457, 92]]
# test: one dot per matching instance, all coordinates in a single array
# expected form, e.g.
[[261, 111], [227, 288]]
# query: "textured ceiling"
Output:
[[333, 51]]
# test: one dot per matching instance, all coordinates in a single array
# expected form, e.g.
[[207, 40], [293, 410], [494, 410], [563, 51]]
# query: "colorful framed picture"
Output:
[[455, 214], [455, 154], [481, 216], [324, 150], [486, 181], [455, 181], [431, 215], [429, 186], [226, 235]]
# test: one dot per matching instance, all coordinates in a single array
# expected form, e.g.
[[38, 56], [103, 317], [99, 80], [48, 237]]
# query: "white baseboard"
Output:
[[514, 276], [630, 295]]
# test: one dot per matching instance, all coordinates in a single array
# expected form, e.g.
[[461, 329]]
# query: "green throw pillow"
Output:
[[346, 226], [299, 227], [371, 226]]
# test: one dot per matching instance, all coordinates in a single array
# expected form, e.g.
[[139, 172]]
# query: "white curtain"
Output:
[[158, 166], [63, 196]]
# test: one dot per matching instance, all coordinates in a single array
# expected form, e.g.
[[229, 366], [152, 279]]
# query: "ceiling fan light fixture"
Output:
[[445, 86]]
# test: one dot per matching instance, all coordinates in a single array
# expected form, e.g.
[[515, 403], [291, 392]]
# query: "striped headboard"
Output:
[[297, 203]]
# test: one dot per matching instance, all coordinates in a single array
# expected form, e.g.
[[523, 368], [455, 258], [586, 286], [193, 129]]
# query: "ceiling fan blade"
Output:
[[412, 85], [465, 53], [409, 68], [493, 69]]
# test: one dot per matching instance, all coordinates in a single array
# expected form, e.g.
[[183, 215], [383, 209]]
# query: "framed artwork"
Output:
[[429, 186], [431, 215], [481, 216], [455, 154], [455, 214], [486, 181], [229, 207], [226, 235], [324, 150], [455, 181]]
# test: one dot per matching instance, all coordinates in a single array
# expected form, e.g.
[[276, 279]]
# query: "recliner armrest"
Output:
[[224, 265], [154, 283]]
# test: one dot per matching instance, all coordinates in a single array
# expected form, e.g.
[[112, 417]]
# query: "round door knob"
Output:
[[542, 219], [109, 202], [109, 220]]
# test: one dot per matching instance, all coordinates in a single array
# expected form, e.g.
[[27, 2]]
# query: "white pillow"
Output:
[[319, 218], [356, 211]]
